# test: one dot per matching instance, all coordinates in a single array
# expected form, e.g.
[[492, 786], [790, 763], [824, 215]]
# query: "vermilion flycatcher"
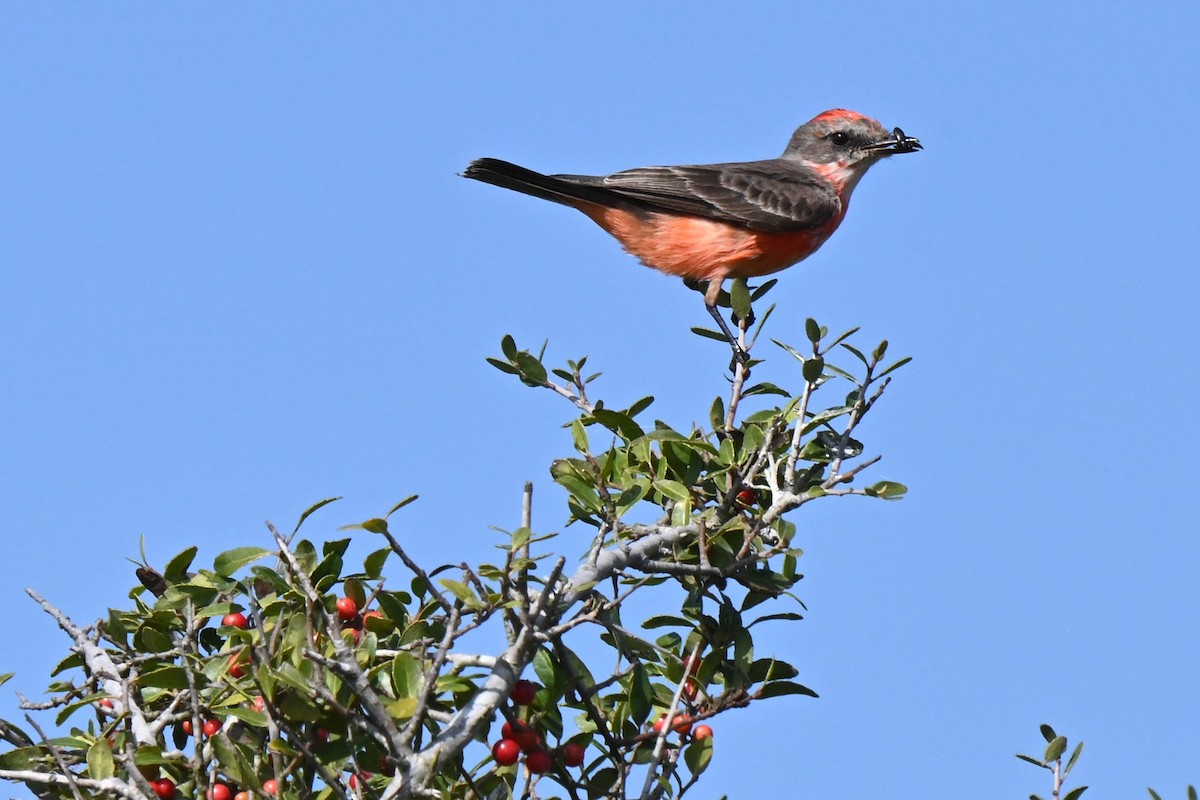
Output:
[[716, 221]]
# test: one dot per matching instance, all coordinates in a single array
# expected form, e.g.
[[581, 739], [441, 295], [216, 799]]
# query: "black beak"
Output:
[[898, 142]]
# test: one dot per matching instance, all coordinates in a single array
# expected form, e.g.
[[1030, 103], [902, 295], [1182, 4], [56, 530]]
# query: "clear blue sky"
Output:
[[240, 275]]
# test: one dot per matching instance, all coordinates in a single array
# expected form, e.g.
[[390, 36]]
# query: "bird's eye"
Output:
[[840, 138]]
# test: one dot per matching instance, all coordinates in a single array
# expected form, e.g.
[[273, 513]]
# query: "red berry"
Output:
[[259, 704], [747, 497], [270, 786], [506, 752], [690, 690], [572, 754], [680, 723], [242, 795], [372, 614], [538, 762], [164, 788], [237, 620], [106, 703], [211, 726], [219, 791], [528, 738], [691, 664], [361, 777], [238, 662], [347, 609], [523, 692], [701, 733], [524, 735], [187, 726]]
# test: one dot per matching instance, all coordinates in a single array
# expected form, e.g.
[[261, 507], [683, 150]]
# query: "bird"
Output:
[[712, 222]]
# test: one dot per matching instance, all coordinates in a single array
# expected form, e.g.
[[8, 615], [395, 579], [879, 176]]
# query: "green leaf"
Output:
[[508, 346], [1031, 760], [579, 436], [503, 366], [547, 670], [641, 694], [762, 290], [100, 760], [1191, 792], [796, 354], [602, 783], [887, 490], [672, 489], [790, 616], [739, 298], [709, 334], [407, 677], [531, 370], [233, 762], [461, 591], [782, 688], [411, 498], [374, 525], [620, 424], [812, 369], [394, 605], [765, 388], [149, 639], [895, 366], [1154, 794], [353, 588], [255, 719], [640, 406], [771, 669], [716, 414], [229, 562], [5, 677], [23, 758], [311, 509], [402, 708], [373, 563], [1047, 732], [698, 755], [1074, 757], [843, 337], [1075, 794], [812, 330], [855, 351], [1055, 749], [295, 706]]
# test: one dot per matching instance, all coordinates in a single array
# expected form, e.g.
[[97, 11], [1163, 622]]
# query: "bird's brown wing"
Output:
[[773, 196]]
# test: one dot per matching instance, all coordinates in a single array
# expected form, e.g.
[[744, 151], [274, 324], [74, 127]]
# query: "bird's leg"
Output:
[[710, 302]]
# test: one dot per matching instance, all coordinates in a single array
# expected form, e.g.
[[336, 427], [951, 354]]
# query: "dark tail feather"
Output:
[[510, 176]]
